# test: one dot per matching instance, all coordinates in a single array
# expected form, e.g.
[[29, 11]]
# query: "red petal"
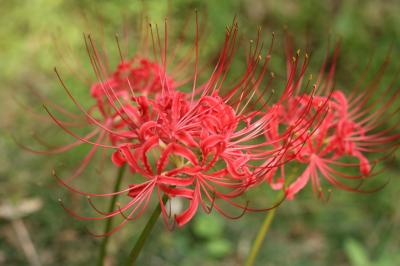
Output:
[[118, 159], [174, 148]]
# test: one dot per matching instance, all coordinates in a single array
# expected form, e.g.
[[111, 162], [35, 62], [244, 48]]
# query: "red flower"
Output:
[[206, 147], [112, 114], [344, 130]]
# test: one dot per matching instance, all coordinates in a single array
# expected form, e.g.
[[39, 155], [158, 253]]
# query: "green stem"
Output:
[[134, 254], [107, 228], [260, 237]]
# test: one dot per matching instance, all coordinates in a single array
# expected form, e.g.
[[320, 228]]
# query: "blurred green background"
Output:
[[351, 229]]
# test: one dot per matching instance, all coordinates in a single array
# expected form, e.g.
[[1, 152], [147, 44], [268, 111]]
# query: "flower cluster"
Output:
[[211, 142]]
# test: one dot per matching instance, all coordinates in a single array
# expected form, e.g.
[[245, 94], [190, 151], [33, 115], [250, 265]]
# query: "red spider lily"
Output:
[[136, 76], [141, 74], [207, 147], [114, 93], [112, 98], [345, 130]]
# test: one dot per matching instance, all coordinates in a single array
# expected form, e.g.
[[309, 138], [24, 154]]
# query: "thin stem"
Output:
[[107, 228], [260, 237], [134, 254]]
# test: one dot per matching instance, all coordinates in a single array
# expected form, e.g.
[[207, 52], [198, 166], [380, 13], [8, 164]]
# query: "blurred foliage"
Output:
[[351, 229]]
